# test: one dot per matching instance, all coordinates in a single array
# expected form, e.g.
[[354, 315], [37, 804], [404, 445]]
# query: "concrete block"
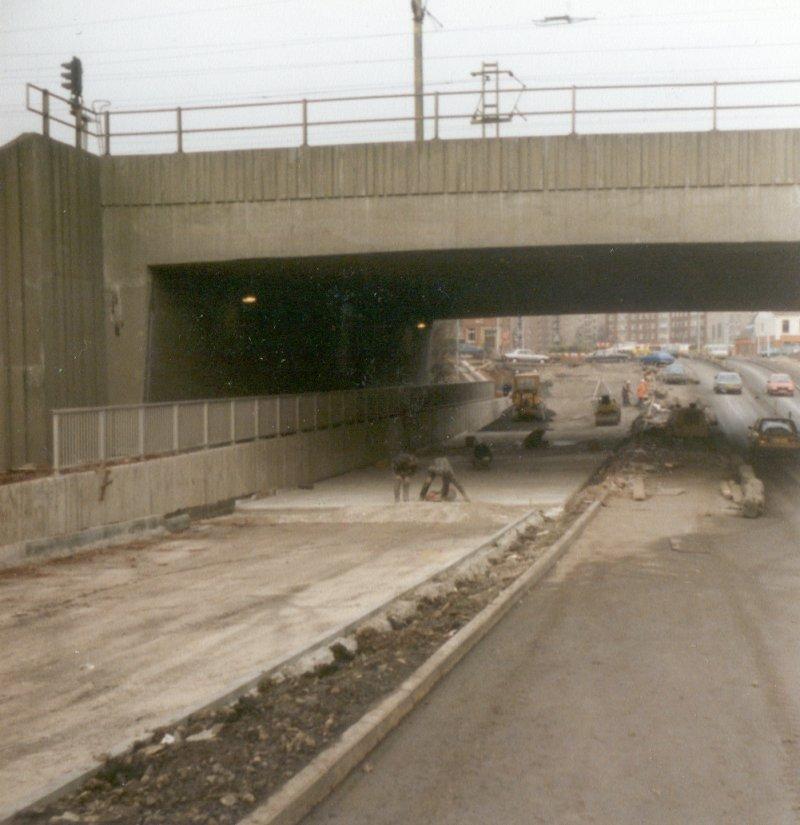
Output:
[[753, 501]]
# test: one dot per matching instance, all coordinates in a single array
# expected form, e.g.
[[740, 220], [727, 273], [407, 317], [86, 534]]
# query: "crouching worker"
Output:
[[441, 468], [481, 456], [404, 465]]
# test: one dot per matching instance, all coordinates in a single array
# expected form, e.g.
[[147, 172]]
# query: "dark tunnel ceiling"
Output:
[[534, 280]]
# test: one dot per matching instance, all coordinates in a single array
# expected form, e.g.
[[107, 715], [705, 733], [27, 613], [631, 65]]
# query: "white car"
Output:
[[525, 356], [728, 382]]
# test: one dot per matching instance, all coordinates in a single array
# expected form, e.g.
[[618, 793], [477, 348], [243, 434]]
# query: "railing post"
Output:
[[233, 421], [141, 432], [316, 411], [297, 414], [56, 443], [101, 436], [107, 130], [436, 116], [255, 419], [205, 425], [179, 123], [305, 122], [714, 107], [46, 113], [573, 109], [176, 441], [278, 416]]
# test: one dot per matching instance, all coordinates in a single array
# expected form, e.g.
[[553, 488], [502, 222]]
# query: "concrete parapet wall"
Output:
[[125, 494], [520, 164]]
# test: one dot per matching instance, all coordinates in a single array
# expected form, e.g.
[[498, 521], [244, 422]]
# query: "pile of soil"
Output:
[[220, 764]]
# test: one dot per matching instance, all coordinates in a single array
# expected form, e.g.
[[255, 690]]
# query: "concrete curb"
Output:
[[74, 779], [35, 551], [309, 787]]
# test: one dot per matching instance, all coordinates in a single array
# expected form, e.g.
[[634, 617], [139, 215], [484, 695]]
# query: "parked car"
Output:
[[602, 356], [675, 374], [728, 382], [525, 356], [779, 383], [472, 350], [773, 435], [657, 359]]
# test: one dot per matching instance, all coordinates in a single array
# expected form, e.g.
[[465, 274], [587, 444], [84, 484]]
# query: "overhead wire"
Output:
[[432, 58], [654, 18]]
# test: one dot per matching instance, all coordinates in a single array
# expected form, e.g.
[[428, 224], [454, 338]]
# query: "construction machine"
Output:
[[607, 411], [526, 396]]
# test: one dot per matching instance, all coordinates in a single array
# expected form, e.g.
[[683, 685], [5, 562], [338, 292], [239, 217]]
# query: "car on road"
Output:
[[602, 356], [657, 359], [525, 356], [675, 374], [778, 435], [779, 383], [470, 350], [728, 382]]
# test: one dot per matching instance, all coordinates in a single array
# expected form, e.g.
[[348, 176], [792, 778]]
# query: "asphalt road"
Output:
[[643, 682]]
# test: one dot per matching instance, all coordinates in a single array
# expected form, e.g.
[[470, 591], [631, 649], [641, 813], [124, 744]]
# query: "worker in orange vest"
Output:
[[642, 391]]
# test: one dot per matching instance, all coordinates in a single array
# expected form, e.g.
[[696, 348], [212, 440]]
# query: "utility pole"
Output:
[[418, 13]]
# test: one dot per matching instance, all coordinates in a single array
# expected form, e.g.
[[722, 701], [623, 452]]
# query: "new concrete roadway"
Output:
[[651, 679], [104, 647]]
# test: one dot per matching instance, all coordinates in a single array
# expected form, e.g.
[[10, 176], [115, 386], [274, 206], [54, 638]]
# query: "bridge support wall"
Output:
[[52, 335]]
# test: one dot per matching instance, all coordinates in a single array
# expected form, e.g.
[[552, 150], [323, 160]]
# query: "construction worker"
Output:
[[441, 467], [404, 465], [642, 392], [481, 456], [626, 394]]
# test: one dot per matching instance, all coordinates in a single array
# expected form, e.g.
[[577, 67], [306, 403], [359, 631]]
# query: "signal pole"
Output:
[[418, 13], [73, 83]]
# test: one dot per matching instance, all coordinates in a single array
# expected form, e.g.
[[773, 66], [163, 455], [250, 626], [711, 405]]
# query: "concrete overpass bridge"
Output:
[[123, 276]]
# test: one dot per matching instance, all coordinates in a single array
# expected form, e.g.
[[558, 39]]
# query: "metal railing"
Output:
[[573, 107], [88, 436]]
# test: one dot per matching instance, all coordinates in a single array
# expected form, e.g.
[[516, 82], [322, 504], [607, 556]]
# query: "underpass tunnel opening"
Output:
[[301, 324], [233, 329]]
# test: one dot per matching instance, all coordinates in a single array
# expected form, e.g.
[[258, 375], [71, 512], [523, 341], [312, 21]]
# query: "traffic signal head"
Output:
[[73, 77]]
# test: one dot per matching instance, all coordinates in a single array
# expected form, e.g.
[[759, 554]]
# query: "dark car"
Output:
[[472, 350], [657, 359], [774, 435]]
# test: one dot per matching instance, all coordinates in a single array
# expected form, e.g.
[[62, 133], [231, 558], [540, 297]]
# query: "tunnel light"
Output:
[[422, 325], [249, 299]]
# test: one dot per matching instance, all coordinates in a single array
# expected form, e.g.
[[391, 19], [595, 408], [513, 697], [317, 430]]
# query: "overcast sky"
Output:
[[177, 52]]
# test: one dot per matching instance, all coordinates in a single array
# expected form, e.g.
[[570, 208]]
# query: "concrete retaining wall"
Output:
[[58, 507]]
